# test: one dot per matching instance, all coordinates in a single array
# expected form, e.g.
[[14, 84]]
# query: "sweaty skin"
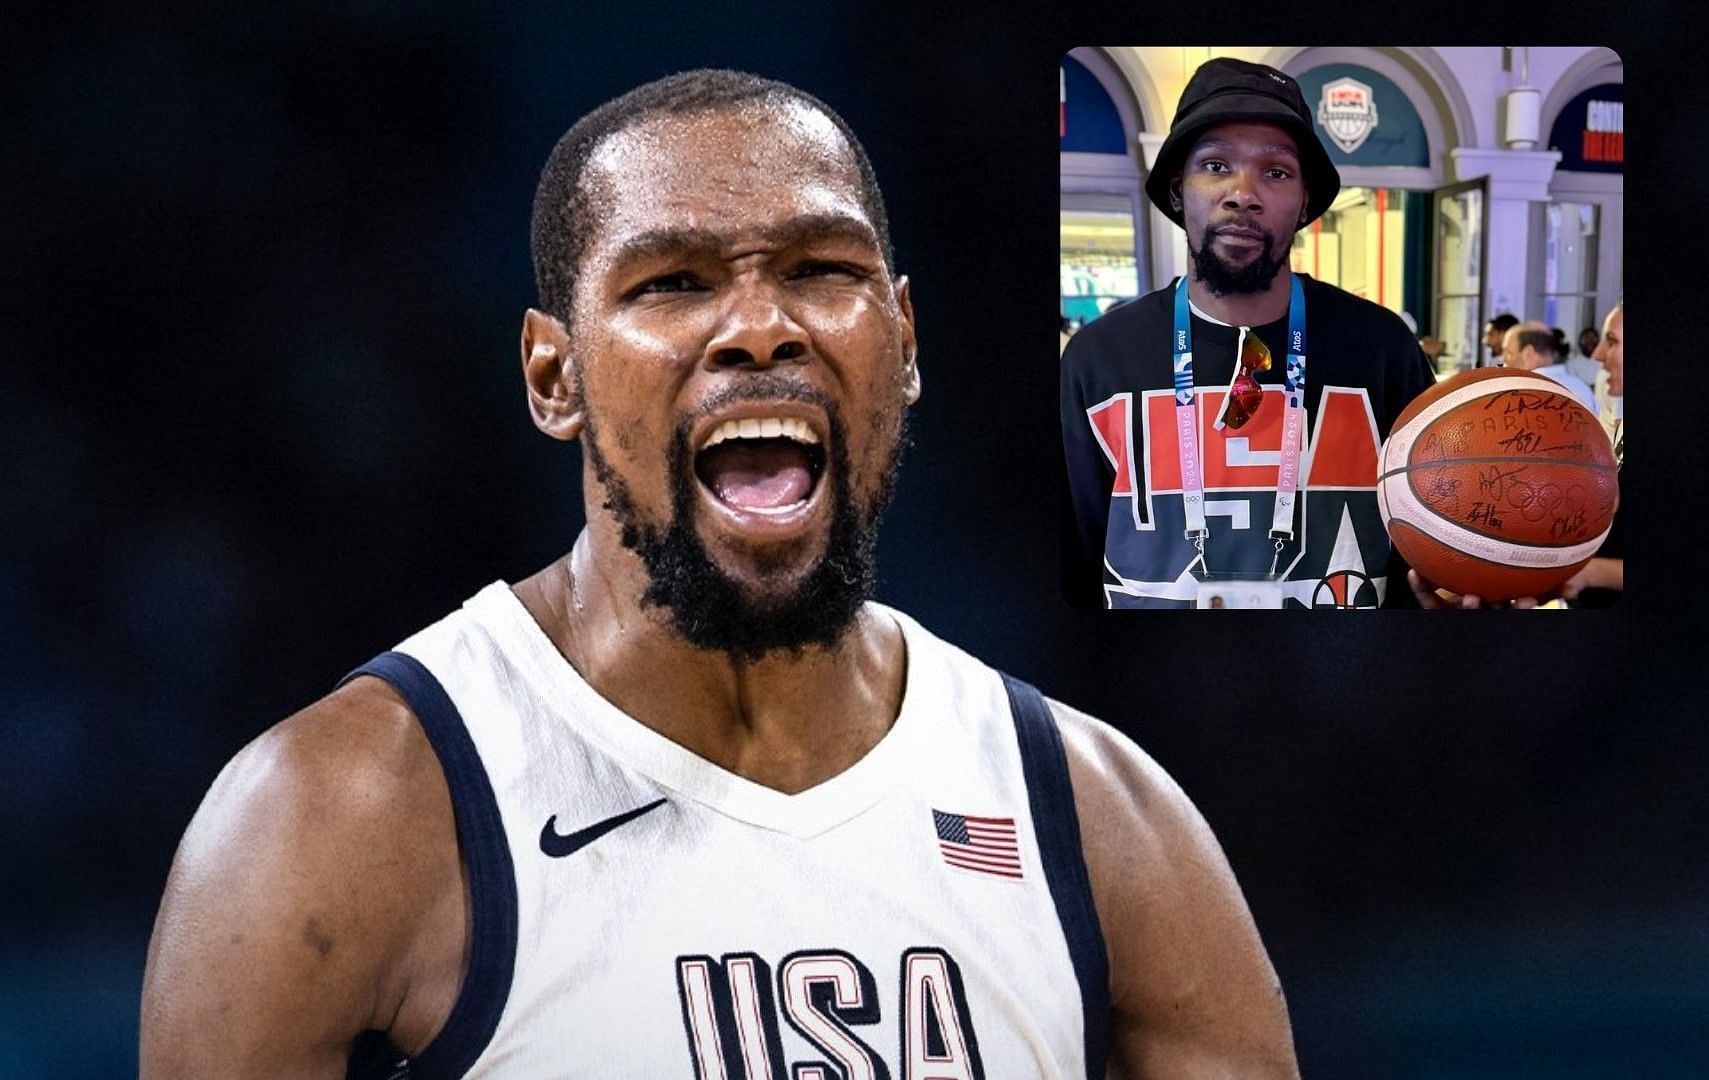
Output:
[[319, 892]]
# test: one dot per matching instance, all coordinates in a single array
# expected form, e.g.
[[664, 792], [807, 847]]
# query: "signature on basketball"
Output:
[[1450, 443], [1494, 480], [1441, 490], [1483, 513], [1506, 489], [1523, 401], [1530, 442], [1570, 527]]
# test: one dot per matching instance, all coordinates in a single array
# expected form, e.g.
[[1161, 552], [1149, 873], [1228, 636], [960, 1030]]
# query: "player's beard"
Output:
[[1221, 280], [713, 610]]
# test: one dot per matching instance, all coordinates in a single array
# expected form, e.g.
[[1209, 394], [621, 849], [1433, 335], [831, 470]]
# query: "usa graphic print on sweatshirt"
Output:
[[1123, 455]]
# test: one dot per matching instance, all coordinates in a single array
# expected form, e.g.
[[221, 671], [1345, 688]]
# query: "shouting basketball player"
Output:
[[686, 803]]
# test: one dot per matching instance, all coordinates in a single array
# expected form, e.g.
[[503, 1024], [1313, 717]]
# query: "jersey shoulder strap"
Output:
[[492, 878], [1050, 795]]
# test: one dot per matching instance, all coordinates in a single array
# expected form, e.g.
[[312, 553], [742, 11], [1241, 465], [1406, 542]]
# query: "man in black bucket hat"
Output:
[[1196, 480], [1225, 90]]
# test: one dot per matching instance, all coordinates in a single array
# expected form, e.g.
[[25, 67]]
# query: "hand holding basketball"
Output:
[[1433, 597]]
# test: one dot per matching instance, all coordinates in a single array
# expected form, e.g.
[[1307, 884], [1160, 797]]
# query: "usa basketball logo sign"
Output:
[[1348, 113]]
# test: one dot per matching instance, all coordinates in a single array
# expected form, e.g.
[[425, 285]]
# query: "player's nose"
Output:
[[755, 328], [1242, 190]]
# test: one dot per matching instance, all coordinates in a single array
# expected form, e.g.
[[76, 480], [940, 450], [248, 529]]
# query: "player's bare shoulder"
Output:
[[1149, 853], [317, 893], [1192, 990], [1133, 816]]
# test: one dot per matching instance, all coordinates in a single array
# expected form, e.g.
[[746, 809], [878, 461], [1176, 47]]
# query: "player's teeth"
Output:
[[798, 430], [771, 427], [729, 429]]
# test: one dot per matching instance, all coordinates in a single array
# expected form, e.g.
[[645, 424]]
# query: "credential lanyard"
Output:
[[1293, 421]]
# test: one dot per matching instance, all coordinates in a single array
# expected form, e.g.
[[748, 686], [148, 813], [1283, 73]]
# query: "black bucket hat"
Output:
[[1226, 90]]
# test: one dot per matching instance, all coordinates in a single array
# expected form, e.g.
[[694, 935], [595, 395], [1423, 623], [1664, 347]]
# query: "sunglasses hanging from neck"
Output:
[[1240, 403]]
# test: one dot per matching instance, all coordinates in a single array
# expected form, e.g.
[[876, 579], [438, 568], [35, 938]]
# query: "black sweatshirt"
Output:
[[1126, 546]]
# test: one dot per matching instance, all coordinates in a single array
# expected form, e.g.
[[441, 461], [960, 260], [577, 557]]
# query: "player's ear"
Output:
[[910, 346], [1175, 194], [546, 372]]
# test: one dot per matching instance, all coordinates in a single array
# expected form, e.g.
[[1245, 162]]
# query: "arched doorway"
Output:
[[1395, 234], [1104, 258]]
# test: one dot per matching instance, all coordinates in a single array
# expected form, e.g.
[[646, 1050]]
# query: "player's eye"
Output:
[[679, 282], [1213, 165], [1277, 173], [814, 268]]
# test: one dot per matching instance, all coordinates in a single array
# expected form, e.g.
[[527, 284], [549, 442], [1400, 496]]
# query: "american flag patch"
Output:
[[983, 844]]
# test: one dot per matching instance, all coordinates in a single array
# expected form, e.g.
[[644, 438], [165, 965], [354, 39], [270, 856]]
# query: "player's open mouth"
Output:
[[764, 464]]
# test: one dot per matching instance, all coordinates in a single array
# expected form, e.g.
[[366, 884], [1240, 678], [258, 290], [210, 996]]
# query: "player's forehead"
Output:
[[1245, 137], [730, 171]]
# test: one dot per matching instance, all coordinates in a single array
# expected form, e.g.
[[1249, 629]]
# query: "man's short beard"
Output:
[[713, 611], [1254, 277]]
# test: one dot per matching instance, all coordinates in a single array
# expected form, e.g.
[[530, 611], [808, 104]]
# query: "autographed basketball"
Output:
[[1497, 482]]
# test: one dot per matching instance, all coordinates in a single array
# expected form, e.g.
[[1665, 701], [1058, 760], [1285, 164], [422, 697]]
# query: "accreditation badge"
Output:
[[1239, 591]]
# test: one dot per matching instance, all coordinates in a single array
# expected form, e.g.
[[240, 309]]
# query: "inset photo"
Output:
[[1341, 326]]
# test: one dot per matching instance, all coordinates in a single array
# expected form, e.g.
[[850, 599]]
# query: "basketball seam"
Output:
[[1547, 569], [1596, 466], [1409, 501]]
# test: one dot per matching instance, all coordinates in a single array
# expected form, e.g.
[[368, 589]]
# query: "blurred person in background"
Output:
[[1495, 333], [1562, 350], [1603, 579], [1531, 347], [1611, 382], [1583, 361], [1431, 347]]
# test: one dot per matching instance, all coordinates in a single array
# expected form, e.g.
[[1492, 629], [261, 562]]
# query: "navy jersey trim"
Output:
[[1050, 794], [486, 853]]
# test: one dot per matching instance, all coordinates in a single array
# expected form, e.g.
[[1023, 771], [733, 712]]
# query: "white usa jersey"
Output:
[[640, 912]]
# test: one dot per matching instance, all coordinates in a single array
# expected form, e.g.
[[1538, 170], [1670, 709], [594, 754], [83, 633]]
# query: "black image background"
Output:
[[261, 284]]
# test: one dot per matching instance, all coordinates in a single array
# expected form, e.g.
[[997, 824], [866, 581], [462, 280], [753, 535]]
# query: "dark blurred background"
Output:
[[261, 281]]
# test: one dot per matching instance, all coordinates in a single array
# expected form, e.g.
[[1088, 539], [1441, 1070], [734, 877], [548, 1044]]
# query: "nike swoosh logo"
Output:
[[557, 846]]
